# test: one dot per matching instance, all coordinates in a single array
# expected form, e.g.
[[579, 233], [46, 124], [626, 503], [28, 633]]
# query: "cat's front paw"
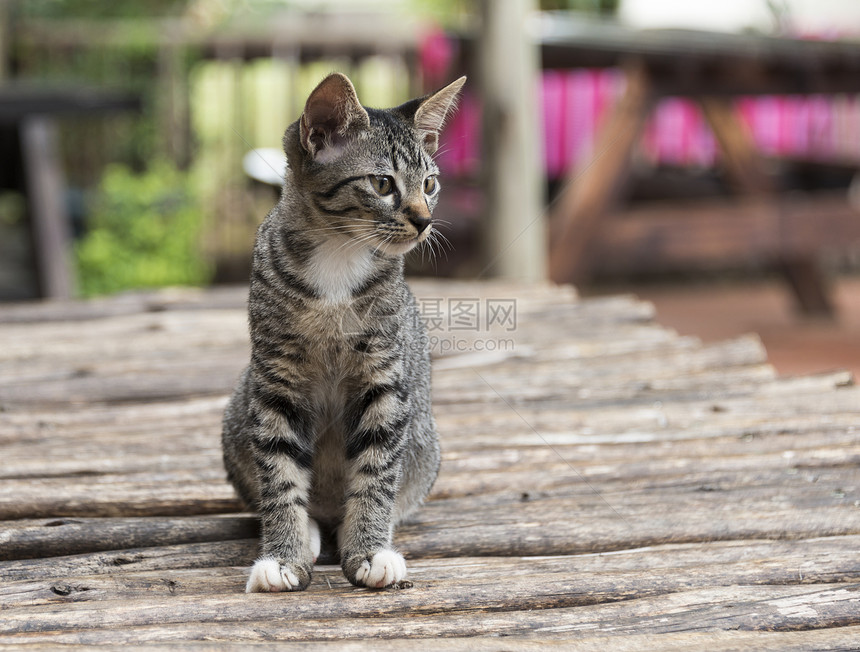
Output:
[[270, 576], [376, 571]]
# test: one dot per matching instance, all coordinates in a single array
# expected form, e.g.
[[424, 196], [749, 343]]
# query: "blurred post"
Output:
[[45, 198], [509, 63]]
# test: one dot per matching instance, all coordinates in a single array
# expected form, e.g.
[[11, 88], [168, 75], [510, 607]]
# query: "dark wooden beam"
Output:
[[721, 233]]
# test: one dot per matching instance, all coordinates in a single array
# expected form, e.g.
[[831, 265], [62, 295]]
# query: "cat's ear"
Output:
[[433, 110], [331, 112]]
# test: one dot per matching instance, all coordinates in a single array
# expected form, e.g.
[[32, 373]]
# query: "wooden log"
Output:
[[111, 562], [146, 573], [714, 641], [536, 459], [441, 614], [179, 337], [219, 298], [815, 553], [539, 462], [30, 539], [63, 498], [755, 413], [574, 513], [127, 430], [106, 382]]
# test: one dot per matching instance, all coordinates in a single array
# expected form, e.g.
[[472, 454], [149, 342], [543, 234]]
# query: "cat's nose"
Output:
[[420, 223], [419, 217]]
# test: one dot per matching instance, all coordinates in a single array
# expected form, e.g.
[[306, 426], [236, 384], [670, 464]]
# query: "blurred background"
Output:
[[702, 155]]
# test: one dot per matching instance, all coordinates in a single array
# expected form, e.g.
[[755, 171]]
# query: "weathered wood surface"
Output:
[[605, 484]]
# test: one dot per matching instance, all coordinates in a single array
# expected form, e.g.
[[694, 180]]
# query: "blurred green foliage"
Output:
[[99, 8], [144, 231]]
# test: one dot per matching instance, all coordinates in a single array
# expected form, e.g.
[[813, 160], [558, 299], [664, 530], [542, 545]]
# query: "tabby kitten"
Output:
[[330, 425]]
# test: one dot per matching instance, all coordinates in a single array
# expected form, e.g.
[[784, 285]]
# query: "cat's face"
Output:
[[369, 174]]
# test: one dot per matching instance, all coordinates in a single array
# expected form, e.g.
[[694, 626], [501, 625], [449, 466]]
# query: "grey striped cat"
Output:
[[329, 428]]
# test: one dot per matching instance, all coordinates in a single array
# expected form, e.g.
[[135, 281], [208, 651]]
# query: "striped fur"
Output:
[[331, 424]]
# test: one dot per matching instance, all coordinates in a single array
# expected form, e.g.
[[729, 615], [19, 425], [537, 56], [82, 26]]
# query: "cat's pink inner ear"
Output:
[[331, 111], [430, 116]]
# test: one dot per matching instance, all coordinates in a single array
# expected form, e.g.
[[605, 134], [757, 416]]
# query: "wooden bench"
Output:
[[711, 68]]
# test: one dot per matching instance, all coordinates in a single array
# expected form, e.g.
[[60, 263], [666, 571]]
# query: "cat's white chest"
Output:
[[337, 269]]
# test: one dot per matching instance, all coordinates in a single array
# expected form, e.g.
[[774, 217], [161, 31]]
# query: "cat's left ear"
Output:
[[433, 110]]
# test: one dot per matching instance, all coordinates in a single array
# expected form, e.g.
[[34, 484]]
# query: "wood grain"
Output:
[[605, 483]]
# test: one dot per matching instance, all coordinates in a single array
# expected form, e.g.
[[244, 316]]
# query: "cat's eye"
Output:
[[383, 185], [430, 185]]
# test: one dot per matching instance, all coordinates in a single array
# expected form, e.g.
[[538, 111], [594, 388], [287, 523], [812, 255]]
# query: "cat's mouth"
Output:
[[399, 247]]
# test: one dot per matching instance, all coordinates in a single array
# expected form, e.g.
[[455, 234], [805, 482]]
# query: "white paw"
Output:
[[386, 568], [316, 543], [268, 575]]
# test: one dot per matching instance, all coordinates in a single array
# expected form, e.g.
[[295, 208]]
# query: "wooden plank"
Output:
[[197, 430], [198, 353]]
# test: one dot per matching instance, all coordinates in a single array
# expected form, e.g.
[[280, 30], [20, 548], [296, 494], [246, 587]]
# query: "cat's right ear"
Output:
[[331, 112]]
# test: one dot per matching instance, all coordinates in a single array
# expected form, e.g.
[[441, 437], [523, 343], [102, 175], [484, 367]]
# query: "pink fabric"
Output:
[[575, 102]]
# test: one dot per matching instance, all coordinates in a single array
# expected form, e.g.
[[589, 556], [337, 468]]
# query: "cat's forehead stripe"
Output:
[[399, 140], [409, 157]]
